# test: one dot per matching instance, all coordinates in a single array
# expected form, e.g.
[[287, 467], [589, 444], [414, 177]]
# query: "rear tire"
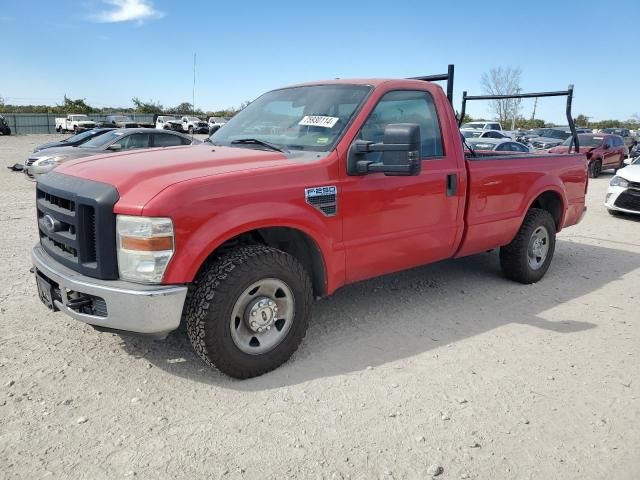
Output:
[[527, 258], [595, 169], [190, 130], [224, 301]]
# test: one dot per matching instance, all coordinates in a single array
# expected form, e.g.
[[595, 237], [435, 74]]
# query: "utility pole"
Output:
[[193, 93], [535, 104]]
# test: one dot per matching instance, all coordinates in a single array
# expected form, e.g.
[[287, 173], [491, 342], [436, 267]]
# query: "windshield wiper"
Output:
[[255, 141]]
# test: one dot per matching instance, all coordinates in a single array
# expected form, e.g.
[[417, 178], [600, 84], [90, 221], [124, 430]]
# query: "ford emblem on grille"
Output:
[[50, 224]]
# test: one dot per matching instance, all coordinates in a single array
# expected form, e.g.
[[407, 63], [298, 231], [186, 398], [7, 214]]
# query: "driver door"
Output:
[[397, 222]]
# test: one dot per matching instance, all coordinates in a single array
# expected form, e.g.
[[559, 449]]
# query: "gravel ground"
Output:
[[445, 367]]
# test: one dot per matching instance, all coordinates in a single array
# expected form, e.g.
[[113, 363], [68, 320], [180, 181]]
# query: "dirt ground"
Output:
[[447, 365]]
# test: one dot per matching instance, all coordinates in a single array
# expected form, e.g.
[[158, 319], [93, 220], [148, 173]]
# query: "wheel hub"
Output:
[[261, 314]]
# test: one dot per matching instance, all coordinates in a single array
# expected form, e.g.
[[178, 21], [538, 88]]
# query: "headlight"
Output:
[[617, 181], [50, 161], [145, 246]]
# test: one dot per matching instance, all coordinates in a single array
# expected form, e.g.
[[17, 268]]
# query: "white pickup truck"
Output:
[[480, 126], [74, 123]]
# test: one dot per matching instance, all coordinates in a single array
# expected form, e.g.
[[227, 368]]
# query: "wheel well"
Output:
[[552, 203], [294, 242]]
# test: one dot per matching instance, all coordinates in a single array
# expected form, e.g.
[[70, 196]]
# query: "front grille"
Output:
[[30, 161], [634, 185], [77, 225], [628, 200]]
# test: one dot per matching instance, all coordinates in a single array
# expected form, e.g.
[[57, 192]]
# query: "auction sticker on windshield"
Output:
[[318, 121]]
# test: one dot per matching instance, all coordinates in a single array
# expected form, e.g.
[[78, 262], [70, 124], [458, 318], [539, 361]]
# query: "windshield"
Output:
[[551, 133], [468, 134], [473, 125], [81, 136], [101, 140], [585, 141], [298, 118]]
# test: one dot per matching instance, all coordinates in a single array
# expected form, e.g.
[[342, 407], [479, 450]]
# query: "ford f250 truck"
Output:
[[309, 188]]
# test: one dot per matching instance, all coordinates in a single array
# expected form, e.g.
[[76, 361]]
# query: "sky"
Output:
[[109, 51]]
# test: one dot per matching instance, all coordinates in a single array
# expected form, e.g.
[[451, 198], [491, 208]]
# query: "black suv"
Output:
[[4, 126]]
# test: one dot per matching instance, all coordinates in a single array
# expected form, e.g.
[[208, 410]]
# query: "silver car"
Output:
[[44, 161], [549, 138], [498, 145]]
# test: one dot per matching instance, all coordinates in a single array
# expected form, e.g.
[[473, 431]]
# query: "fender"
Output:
[[548, 183], [196, 242]]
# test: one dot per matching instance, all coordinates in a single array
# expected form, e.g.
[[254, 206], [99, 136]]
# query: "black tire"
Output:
[[213, 296], [190, 130], [595, 169], [514, 258]]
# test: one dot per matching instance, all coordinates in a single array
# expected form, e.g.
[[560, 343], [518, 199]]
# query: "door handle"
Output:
[[452, 184]]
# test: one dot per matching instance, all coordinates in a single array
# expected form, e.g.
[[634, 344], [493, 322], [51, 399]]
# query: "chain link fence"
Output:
[[29, 123]]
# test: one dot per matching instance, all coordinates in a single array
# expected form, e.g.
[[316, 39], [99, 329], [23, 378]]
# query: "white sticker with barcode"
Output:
[[318, 121]]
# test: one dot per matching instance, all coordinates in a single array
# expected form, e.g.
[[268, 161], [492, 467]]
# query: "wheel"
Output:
[[527, 258], [595, 168], [190, 130], [248, 310]]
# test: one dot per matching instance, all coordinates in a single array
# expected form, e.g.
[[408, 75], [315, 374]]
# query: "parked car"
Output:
[[625, 133], [549, 138], [4, 126], [74, 123], [237, 240], [623, 195], [496, 126], [167, 122], [215, 123], [194, 125], [603, 151], [114, 141], [121, 121], [466, 133], [497, 145], [75, 140]]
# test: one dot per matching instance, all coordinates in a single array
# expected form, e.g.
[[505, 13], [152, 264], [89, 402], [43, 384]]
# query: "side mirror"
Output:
[[401, 152], [114, 147]]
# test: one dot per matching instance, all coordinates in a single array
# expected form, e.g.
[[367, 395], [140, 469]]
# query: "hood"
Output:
[[630, 173], [49, 145], [141, 175], [69, 152], [565, 149]]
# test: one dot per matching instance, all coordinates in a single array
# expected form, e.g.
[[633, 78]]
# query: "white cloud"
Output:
[[128, 11]]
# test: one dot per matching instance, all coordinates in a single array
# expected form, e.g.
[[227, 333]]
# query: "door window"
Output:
[[405, 106], [132, 142], [166, 140]]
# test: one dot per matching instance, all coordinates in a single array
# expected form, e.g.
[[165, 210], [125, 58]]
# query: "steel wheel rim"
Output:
[[538, 248], [262, 316]]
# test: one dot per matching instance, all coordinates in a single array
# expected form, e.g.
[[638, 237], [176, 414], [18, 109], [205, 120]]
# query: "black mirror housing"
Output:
[[401, 152]]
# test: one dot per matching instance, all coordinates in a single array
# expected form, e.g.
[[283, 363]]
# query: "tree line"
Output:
[[80, 105]]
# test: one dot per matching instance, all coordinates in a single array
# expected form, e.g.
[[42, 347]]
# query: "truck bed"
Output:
[[502, 187]]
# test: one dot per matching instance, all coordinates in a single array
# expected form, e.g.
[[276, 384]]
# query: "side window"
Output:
[[137, 140], [503, 147], [405, 106], [493, 135], [493, 126], [166, 140], [516, 147]]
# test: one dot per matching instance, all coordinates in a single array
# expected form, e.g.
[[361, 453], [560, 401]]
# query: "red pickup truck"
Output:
[[307, 189]]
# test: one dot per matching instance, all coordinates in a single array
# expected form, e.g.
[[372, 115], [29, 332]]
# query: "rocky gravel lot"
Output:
[[447, 370]]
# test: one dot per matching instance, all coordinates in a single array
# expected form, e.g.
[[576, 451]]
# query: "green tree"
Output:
[[147, 107], [582, 120]]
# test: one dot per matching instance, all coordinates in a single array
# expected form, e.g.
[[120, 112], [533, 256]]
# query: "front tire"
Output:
[[527, 258], [248, 310], [190, 130]]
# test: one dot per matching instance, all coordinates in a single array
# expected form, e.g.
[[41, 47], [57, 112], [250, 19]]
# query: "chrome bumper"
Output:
[[147, 309]]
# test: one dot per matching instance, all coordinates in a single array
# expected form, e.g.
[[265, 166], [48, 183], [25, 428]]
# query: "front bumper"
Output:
[[614, 202], [118, 305], [33, 172]]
